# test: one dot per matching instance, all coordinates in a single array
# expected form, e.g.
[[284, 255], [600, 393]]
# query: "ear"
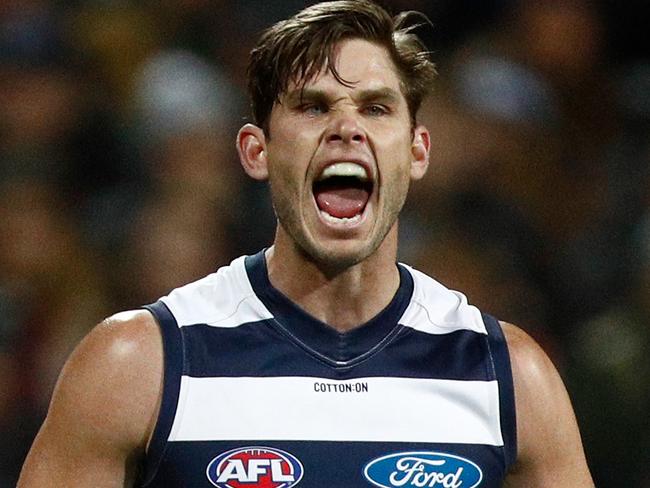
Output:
[[251, 147], [420, 152]]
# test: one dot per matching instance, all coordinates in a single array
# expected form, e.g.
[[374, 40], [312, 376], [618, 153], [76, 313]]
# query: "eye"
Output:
[[313, 108], [376, 110]]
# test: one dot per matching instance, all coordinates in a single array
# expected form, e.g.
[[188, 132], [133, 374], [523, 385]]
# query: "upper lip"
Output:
[[361, 162]]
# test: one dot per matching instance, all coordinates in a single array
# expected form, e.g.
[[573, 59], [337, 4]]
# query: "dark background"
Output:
[[119, 181]]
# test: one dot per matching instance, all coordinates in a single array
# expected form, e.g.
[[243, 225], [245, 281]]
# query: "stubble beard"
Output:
[[331, 260]]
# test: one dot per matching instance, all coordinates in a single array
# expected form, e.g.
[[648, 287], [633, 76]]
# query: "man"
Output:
[[318, 362]]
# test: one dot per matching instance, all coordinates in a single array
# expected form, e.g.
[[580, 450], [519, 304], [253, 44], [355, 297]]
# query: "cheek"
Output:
[[286, 178], [395, 157], [280, 177], [396, 140], [289, 161]]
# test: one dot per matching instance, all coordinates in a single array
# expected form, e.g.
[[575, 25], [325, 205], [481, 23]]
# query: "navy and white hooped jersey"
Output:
[[259, 394]]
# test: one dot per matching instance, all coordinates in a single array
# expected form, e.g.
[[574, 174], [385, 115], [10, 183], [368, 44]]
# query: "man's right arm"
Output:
[[103, 409]]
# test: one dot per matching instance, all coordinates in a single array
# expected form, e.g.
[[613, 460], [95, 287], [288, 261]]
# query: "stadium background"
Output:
[[119, 180]]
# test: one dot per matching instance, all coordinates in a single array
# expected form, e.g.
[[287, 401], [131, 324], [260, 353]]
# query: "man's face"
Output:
[[340, 157]]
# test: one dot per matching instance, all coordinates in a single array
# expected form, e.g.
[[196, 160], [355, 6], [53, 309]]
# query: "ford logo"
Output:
[[428, 469]]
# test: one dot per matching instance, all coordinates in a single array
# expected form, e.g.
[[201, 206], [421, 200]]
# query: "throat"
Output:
[[344, 301]]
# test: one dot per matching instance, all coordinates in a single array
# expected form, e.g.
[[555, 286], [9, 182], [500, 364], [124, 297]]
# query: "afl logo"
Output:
[[254, 467]]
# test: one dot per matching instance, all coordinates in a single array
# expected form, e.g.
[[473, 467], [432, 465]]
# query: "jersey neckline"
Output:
[[340, 349]]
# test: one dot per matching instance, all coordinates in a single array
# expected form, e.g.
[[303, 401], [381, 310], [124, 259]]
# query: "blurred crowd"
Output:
[[119, 181]]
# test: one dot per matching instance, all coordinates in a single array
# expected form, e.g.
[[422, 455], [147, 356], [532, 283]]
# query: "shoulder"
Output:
[[529, 361], [112, 382], [539, 390], [538, 387], [547, 430], [103, 408]]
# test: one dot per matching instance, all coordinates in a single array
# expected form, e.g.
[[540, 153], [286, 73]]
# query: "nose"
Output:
[[346, 129]]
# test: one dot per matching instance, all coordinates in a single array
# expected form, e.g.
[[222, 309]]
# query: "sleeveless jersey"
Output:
[[259, 394]]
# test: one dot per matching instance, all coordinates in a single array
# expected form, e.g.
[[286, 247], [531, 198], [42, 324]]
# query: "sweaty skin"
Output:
[[106, 402]]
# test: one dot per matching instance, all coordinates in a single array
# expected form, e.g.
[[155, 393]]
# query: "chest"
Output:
[[262, 413]]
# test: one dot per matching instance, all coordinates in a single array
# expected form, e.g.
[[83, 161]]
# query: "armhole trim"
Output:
[[173, 369], [503, 371]]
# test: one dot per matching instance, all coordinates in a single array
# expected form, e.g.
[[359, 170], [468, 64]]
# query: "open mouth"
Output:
[[342, 191]]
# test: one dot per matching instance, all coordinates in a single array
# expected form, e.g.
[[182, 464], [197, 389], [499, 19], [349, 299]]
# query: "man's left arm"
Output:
[[550, 452]]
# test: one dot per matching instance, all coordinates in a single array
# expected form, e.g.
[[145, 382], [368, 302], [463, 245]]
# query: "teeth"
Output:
[[336, 220], [344, 169]]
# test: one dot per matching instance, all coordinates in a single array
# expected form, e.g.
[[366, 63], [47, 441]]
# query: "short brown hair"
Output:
[[299, 47]]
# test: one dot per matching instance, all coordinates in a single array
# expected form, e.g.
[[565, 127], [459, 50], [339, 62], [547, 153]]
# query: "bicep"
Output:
[[102, 410], [69, 459], [550, 450]]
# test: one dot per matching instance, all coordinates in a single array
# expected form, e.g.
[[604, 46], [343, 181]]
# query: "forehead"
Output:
[[359, 63]]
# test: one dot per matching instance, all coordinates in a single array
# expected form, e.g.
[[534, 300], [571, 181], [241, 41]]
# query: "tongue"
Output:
[[342, 202]]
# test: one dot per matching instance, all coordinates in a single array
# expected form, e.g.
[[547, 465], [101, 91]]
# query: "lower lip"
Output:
[[344, 221]]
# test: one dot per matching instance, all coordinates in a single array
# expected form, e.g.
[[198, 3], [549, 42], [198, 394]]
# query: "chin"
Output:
[[339, 256]]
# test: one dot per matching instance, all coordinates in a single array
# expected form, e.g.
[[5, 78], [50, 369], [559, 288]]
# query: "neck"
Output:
[[344, 298]]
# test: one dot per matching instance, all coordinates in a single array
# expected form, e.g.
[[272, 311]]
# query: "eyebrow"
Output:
[[301, 94], [384, 94]]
